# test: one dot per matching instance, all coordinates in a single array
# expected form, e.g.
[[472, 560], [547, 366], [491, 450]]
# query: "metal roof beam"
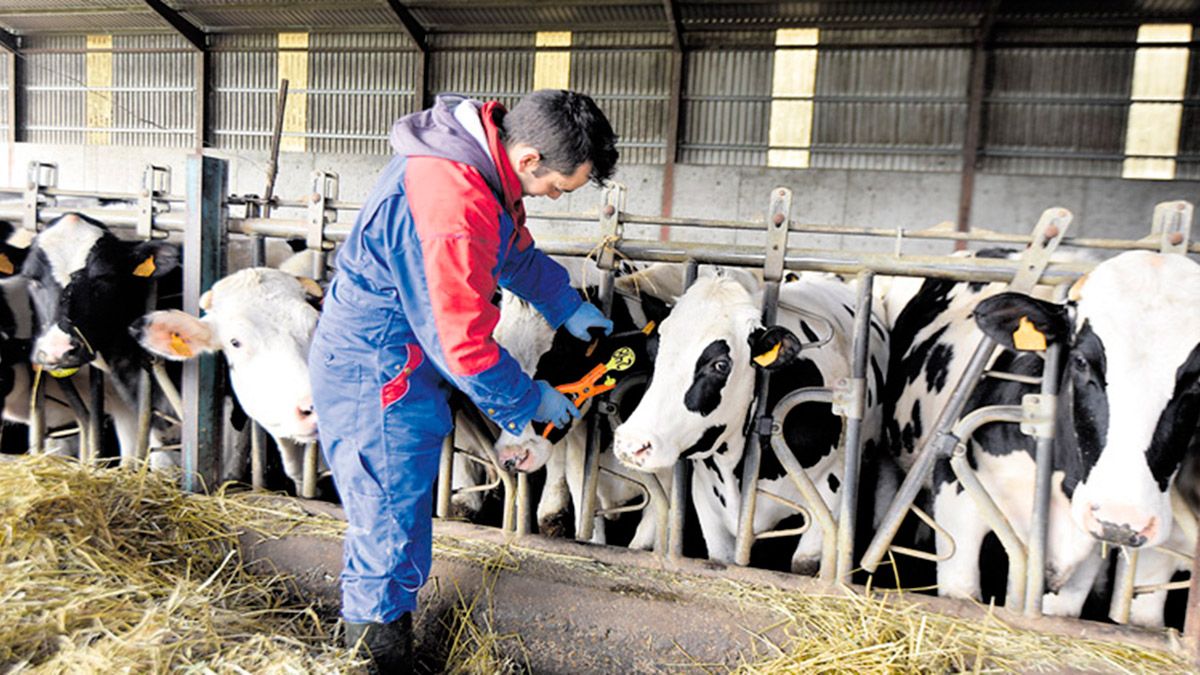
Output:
[[8, 42], [188, 30], [674, 25], [416, 32]]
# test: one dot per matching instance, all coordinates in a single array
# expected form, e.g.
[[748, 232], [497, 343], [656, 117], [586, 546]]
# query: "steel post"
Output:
[[445, 476], [203, 264], [95, 431], [681, 474], [848, 513], [258, 436], [591, 465]]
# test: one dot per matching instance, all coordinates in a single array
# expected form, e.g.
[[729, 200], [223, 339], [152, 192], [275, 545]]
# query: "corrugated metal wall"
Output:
[[153, 94], [631, 84], [1058, 111], [726, 108], [245, 85], [55, 90], [358, 84], [883, 108], [486, 66]]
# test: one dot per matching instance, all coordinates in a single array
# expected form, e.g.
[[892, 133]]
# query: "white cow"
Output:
[[260, 318]]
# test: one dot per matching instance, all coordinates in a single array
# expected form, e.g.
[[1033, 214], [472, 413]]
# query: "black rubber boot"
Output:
[[388, 645]]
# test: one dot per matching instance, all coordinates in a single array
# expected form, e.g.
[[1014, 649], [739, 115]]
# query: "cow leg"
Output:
[[718, 537], [553, 508], [646, 535], [466, 473], [958, 577], [1156, 567]]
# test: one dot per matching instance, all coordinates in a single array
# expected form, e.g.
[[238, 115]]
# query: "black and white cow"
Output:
[[87, 286], [1128, 407], [702, 391], [263, 322]]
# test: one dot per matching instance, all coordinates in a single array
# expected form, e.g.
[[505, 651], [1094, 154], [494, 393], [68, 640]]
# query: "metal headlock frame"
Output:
[[1171, 233]]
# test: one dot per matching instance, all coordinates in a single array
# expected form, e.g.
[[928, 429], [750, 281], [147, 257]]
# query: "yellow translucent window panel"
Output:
[[793, 84], [552, 69], [293, 67], [99, 69], [1159, 80]]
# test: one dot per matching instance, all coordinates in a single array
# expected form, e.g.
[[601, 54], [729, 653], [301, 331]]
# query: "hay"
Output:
[[117, 571]]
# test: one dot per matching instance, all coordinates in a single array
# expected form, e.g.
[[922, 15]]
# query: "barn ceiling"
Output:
[[26, 17]]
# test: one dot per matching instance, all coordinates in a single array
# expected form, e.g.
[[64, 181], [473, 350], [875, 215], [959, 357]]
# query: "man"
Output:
[[410, 315]]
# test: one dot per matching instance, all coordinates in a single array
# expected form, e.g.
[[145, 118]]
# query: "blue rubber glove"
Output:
[[554, 407], [587, 316]]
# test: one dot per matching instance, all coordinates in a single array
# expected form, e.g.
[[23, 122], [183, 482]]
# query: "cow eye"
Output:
[[721, 366], [1080, 362], [235, 343]]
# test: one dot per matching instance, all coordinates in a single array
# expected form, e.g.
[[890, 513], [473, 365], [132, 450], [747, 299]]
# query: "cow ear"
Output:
[[311, 288], [654, 308], [153, 259], [773, 348], [174, 335], [1022, 323]]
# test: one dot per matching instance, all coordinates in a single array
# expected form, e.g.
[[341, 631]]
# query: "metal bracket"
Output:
[[777, 233], [1047, 235], [848, 397], [324, 190], [156, 184], [1172, 226], [41, 175], [764, 426], [612, 230], [1037, 415]]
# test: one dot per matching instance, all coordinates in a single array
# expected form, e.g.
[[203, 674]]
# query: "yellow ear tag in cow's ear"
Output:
[[146, 268], [1027, 337], [648, 328], [768, 357], [180, 346], [6, 266]]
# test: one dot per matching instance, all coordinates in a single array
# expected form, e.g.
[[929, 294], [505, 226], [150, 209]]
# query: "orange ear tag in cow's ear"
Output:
[[768, 357], [6, 266], [146, 268], [180, 346], [1027, 337]]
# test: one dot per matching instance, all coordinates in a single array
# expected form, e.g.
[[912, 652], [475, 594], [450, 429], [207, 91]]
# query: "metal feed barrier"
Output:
[[208, 224]]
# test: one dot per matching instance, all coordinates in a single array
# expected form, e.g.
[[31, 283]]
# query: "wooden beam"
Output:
[[186, 29], [8, 42], [674, 25], [201, 104], [973, 136], [416, 32]]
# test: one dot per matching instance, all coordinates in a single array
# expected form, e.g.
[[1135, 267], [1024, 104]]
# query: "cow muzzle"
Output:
[[634, 450], [523, 454], [1122, 526], [56, 350]]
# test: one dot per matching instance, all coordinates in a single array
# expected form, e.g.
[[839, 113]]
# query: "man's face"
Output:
[[538, 181]]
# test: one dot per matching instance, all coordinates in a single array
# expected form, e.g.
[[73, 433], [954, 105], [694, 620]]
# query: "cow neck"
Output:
[[509, 183]]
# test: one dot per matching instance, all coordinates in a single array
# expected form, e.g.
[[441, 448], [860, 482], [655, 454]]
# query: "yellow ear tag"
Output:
[[180, 346], [768, 357], [1027, 337], [6, 265], [648, 328], [146, 268]]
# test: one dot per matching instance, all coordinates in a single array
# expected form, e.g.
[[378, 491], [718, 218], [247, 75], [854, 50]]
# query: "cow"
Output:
[[87, 286], [702, 392], [262, 320], [1128, 406]]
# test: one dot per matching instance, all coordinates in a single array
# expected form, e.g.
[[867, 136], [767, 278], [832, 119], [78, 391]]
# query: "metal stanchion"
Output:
[[852, 407]]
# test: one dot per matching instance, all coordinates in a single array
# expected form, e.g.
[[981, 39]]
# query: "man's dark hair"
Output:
[[567, 128]]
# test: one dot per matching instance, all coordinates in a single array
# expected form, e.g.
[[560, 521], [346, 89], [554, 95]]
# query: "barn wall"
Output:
[[912, 200]]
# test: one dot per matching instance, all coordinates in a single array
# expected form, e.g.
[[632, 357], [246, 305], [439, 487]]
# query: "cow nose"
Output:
[[1115, 526], [305, 412], [632, 450]]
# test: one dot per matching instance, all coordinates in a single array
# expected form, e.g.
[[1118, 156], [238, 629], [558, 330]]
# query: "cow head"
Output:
[[261, 320], [1130, 393], [87, 286], [703, 381]]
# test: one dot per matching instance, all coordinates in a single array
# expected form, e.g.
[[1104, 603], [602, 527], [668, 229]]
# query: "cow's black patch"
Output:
[[938, 366], [809, 333], [1086, 380], [849, 310], [1177, 422], [811, 430], [878, 329], [711, 464], [834, 483], [711, 374], [707, 440], [720, 497]]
